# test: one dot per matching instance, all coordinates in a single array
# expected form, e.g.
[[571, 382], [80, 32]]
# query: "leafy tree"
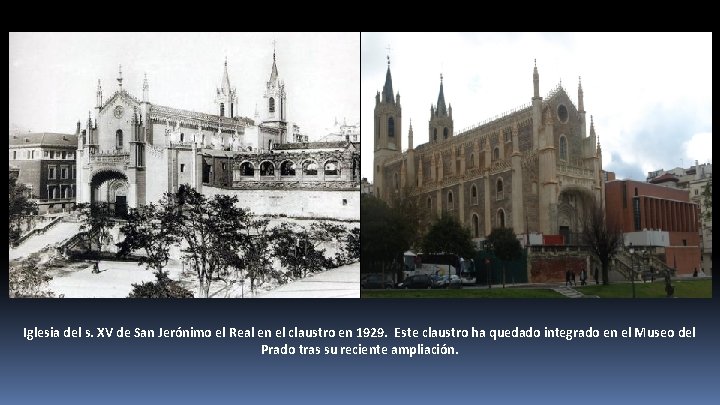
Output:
[[448, 236], [27, 279], [163, 287], [604, 238], [257, 252], [97, 221], [386, 234], [505, 246], [351, 248], [296, 248], [213, 231], [19, 207], [707, 201], [150, 228]]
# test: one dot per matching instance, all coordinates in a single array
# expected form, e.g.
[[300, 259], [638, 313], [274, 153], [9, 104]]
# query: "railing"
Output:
[[38, 231]]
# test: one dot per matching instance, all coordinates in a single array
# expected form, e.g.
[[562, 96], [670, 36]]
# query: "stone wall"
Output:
[[296, 203]]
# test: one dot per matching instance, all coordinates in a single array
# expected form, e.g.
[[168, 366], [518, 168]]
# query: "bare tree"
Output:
[[603, 238]]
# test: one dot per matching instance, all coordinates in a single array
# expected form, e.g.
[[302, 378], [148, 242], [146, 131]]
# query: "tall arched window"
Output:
[[119, 139], [473, 195], [450, 200], [476, 226], [434, 134], [563, 148], [182, 137], [445, 133], [391, 127], [222, 109], [499, 189], [429, 203], [472, 160], [496, 154], [271, 105], [397, 183], [501, 218]]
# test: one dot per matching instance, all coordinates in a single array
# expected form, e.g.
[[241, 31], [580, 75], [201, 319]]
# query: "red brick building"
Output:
[[45, 163], [641, 207]]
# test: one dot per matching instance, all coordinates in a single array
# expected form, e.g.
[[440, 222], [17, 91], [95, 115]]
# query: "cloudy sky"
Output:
[[53, 76], [650, 94]]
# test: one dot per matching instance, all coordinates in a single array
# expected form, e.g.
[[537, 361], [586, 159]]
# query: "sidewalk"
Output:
[[342, 282]]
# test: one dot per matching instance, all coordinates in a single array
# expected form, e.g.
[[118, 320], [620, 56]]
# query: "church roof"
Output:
[[161, 111]]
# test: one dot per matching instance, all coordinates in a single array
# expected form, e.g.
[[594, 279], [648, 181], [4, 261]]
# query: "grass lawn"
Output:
[[463, 293], [683, 289]]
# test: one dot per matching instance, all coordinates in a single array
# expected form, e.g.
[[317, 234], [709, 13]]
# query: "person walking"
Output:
[[573, 278], [567, 277]]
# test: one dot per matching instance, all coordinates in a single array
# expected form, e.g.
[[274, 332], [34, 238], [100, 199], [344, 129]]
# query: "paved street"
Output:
[[343, 282]]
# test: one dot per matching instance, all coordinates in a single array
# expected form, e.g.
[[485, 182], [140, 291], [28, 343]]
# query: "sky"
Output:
[[53, 76], [650, 94]]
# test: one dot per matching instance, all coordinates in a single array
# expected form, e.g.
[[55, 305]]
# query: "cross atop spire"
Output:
[[274, 50], [120, 79], [388, 54]]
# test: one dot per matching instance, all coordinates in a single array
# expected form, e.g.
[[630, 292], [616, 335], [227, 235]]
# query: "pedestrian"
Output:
[[567, 277], [96, 268], [597, 278], [573, 278], [583, 276]]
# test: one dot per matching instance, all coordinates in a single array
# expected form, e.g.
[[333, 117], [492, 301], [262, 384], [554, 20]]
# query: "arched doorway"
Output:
[[573, 206], [110, 186]]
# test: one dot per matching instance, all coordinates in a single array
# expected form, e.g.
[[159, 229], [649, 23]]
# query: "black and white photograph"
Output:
[[205, 165]]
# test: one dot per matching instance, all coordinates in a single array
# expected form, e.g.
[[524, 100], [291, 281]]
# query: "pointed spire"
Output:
[[146, 89], [441, 109], [387, 95], [225, 86], [120, 79], [99, 95], [274, 71], [592, 126], [536, 81], [581, 104], [410, 136]]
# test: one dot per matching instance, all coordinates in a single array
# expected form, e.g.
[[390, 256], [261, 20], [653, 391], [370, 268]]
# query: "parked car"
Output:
[[417, 281], [442, 282], [376, 281]]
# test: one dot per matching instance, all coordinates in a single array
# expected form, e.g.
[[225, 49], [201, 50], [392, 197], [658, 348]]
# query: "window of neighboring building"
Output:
[[52, 154], [63, 172], [14, 155], [74, 172], [51, 172], [32, 154], [46, 153], [64, 155], [224, 166]]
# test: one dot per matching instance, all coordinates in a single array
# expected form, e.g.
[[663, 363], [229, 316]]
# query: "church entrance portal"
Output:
[[112, 187]]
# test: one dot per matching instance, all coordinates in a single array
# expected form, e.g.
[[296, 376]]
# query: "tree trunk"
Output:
[[605, 278]]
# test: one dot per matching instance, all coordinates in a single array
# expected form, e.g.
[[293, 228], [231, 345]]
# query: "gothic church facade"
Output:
[[534, 169]]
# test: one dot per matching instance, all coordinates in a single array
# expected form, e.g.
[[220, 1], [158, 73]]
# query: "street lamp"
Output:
[[632, 269]]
